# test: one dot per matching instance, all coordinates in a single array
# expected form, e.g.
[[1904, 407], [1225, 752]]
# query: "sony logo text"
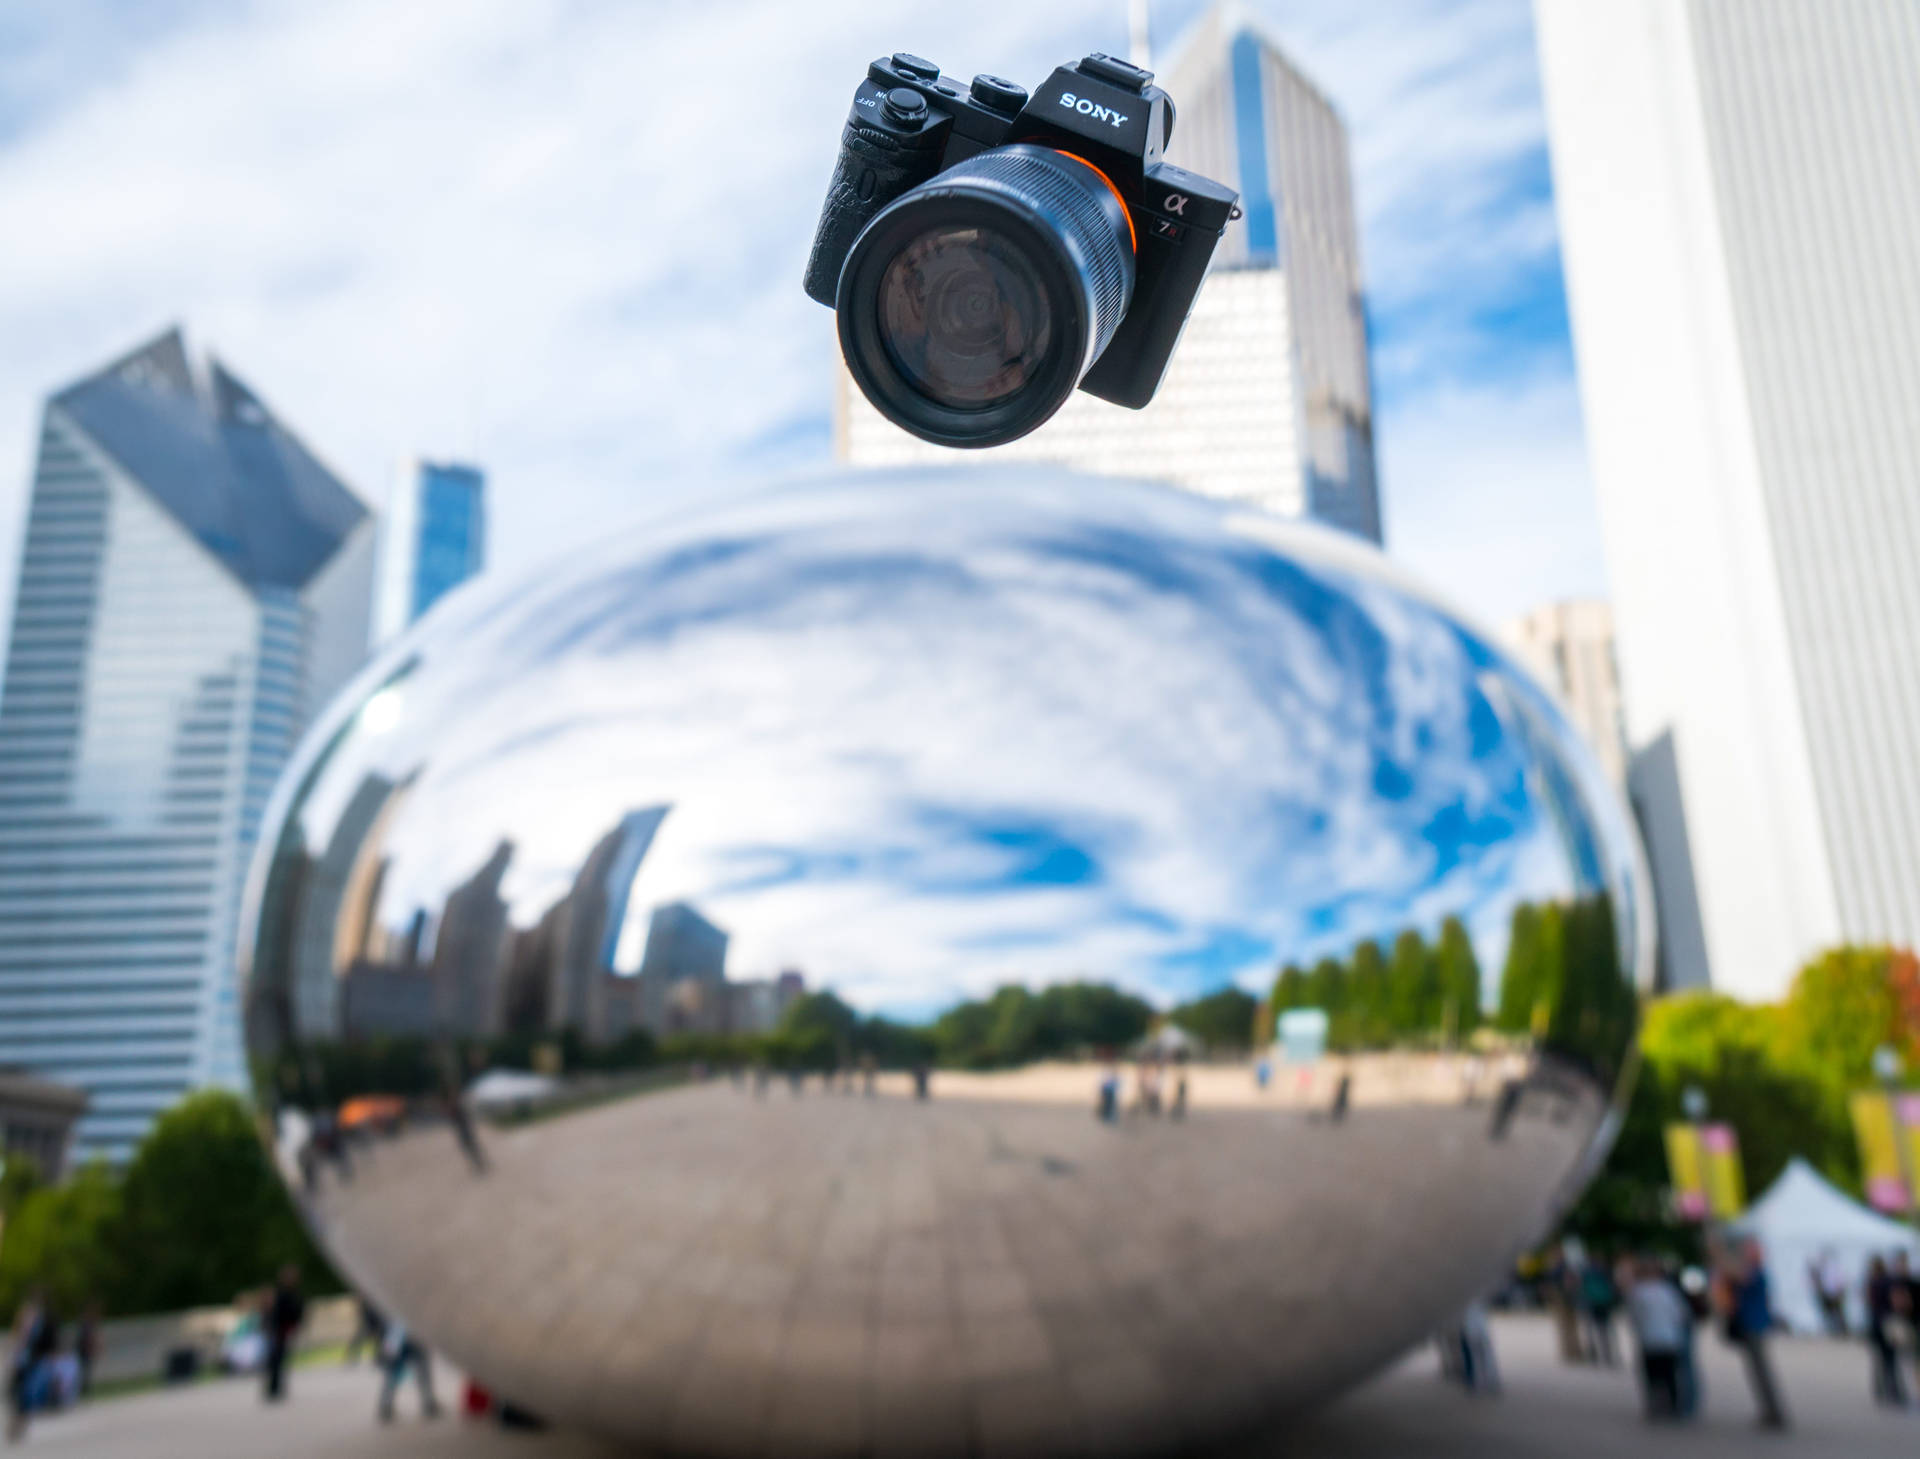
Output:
[[1092, 109]]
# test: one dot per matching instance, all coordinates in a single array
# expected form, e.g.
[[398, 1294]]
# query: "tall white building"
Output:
[[1268, 399], [193, 584], [1738, 183], [1570, 646]]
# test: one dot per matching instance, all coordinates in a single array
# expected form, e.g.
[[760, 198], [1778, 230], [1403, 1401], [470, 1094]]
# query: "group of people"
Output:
[[1893, 1324], [394, 1348], [1157, 1088], [1664, 1313], [44, 1371]]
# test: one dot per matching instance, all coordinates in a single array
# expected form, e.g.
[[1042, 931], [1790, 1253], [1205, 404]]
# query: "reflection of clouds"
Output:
[[926, 734]]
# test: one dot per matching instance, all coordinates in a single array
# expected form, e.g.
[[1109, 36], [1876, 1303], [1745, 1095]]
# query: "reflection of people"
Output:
[[463, 1131], [1108, 1107], [398, 1353], [1340, 1093], [285, 1311], [1883, 1313], [1178, 1109], [1747, 1311], [921, 1074]]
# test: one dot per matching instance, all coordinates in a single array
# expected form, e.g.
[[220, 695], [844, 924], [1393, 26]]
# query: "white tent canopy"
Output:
[[502, 1088], [1800, 1219]]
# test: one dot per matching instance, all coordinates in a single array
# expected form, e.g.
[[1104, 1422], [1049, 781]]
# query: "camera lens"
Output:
[[964, 316], [971, 307]]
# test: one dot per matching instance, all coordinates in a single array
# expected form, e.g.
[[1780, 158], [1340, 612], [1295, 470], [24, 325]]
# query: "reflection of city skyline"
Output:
[[357, 969]]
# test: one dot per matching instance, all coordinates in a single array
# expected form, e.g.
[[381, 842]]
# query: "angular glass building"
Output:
[[1268, 400], [194, 583], [434, 539]]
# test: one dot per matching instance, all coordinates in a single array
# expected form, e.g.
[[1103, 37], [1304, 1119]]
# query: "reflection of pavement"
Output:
[[877, 1273], [1376, 1078], [1570, 1413]]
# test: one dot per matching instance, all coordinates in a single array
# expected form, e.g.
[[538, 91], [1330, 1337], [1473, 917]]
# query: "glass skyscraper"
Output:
[[1737, 184], [193, 584], [1268, 399], [435, 538]]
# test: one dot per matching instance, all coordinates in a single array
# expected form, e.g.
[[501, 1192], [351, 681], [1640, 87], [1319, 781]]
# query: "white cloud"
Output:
[[566, 239], [1492, 500]]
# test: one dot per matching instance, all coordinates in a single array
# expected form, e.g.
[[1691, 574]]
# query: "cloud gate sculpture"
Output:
[[768, 985]]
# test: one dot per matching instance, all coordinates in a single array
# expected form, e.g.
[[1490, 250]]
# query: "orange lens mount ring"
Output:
[[1133, 239]]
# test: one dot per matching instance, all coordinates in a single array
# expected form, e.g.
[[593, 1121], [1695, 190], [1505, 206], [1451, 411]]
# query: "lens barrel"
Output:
[[971, 307]]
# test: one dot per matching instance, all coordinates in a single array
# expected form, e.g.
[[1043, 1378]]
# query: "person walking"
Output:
[[86, 1345], [1828, 1277], [36, 1337], [1883, 1312], [1749, 1318], [285, 1311], [1906, 1303], [1660, 1321], [1600, 1298], [399, 1353], [369, 1328]]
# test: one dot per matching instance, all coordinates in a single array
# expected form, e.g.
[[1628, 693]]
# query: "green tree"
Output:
[[1520, 975], [19, 1178], [1326, 987], [66, 1237], [1459, 975], [1222, 1020], [1368, 1023], [1841, 1007], [1413, 1001], [822, 1012], [1290, 990], [203, 1213]]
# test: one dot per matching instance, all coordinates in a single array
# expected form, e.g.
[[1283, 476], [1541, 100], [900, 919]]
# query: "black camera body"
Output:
[[982, 245]]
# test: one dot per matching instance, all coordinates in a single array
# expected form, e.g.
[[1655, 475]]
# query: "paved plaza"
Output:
[[1547, 1409], [837, 1274]]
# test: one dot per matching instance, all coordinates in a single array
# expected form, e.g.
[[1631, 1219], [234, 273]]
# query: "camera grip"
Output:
[[875, 167]]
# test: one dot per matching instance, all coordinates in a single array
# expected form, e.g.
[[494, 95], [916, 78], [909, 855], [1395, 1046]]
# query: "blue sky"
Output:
[[882, 745], [565, 239]]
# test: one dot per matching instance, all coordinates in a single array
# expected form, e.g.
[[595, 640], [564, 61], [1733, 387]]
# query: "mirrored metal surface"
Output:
[[723, 991]]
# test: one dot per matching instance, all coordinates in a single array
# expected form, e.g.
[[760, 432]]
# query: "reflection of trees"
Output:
[[1016, 1026], [1562, 985]]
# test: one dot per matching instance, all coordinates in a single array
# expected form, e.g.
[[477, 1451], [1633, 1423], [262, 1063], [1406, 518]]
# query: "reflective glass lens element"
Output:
[[973, 305], [964, 316]]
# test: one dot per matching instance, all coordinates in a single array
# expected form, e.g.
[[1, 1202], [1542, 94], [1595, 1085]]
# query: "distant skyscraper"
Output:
[[193, 584], [433, 539], [1737, 184], [1570, 646], [1267, 400]]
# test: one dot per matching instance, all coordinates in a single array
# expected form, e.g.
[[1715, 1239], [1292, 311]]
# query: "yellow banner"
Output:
[[1703, 1164], [1687, 1170], [1874, 1128], [1726, 1186]]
